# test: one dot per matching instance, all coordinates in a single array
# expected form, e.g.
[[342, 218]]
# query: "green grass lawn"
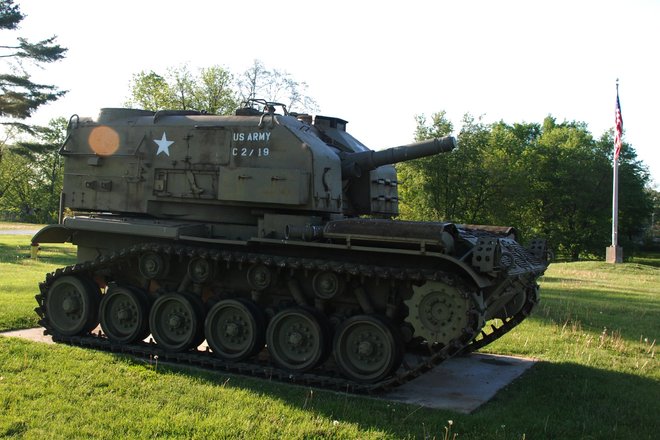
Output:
[[8, 226], [20, 277], [594, 333]]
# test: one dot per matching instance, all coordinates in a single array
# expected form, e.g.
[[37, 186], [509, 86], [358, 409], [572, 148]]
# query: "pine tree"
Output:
[[19, 96]]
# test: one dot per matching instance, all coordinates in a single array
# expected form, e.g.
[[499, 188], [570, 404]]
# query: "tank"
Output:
[[265, 243]]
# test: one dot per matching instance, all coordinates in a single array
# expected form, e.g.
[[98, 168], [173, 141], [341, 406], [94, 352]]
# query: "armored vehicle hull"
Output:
[[249, 232]]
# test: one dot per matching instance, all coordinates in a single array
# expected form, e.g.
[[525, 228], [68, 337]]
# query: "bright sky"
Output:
[[377, 64]]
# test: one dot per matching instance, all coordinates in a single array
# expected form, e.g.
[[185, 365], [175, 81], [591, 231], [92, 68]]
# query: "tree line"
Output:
[[550, 179], [216, 90], [547, 179]]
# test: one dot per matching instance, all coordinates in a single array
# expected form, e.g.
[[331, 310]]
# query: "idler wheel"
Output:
[[367, 348], [176, 322], [124, 314], [235, 329], [298, 339], [72, 305]]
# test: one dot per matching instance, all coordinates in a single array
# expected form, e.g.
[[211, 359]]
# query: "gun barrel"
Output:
[[354, 164]]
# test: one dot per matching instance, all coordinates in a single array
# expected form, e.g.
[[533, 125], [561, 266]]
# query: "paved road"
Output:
[[18, 231]]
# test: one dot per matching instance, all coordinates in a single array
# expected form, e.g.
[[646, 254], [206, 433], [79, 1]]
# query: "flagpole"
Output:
[[615, 202], [614, 253]]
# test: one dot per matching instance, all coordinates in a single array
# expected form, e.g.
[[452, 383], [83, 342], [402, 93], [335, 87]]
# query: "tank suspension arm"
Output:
[[362, 297], [296, 292], [185, 283], [392, 308]]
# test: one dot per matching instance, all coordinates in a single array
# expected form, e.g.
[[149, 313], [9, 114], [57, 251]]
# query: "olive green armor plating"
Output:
[[270, 237]]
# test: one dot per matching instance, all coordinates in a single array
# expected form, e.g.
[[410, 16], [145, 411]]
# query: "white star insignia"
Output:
[[163, 145]]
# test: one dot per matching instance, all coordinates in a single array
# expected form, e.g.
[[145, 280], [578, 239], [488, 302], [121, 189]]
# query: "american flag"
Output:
[[619, 127]]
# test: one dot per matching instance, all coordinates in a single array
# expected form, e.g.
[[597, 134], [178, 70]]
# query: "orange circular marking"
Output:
[[104, 141]]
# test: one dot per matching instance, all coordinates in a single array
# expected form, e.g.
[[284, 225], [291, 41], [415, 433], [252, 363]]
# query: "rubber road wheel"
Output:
[[72, 305]]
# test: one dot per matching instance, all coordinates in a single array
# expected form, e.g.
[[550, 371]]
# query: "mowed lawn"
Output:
[[594, 333], [20, 277]]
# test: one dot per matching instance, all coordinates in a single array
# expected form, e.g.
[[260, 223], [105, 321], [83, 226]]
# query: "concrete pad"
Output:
[[460, 384], [31, 334]]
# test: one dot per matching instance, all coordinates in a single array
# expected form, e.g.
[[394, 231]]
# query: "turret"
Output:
[[355, 164]]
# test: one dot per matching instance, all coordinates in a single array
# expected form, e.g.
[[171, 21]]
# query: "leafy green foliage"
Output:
[[20, 97], [31, 176], [654, 230], [209, 91], [150, 91], [552, 180], [215, 90]]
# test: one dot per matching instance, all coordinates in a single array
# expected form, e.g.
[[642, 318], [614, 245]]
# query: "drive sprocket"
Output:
[[441, 312]]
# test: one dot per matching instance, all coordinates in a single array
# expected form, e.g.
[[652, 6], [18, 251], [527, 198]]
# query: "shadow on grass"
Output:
[[553, 400], [574, 286], [10, 253], [568, 400], [597, 308], [654, 262], [18, 254], [648, 258], [634, 299], [59, 260]]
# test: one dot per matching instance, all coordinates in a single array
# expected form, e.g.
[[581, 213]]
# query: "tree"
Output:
[[424, 193], [274, 85], [179, 89], [568, 198], [20, 96], [31, 178], [209, 91], [552, 180], [636, 202], [15, 177], [654, 224], [572, 190], [150, 91], [214, 92], [477, 183]]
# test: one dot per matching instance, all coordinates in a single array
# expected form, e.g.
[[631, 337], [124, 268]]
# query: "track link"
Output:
[[497, 328]]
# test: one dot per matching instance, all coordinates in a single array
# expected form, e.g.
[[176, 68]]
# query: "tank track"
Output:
[[415, 363], [498, 328]]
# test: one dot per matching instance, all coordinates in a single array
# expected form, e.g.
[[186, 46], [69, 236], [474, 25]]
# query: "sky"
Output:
[[377, 64]]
